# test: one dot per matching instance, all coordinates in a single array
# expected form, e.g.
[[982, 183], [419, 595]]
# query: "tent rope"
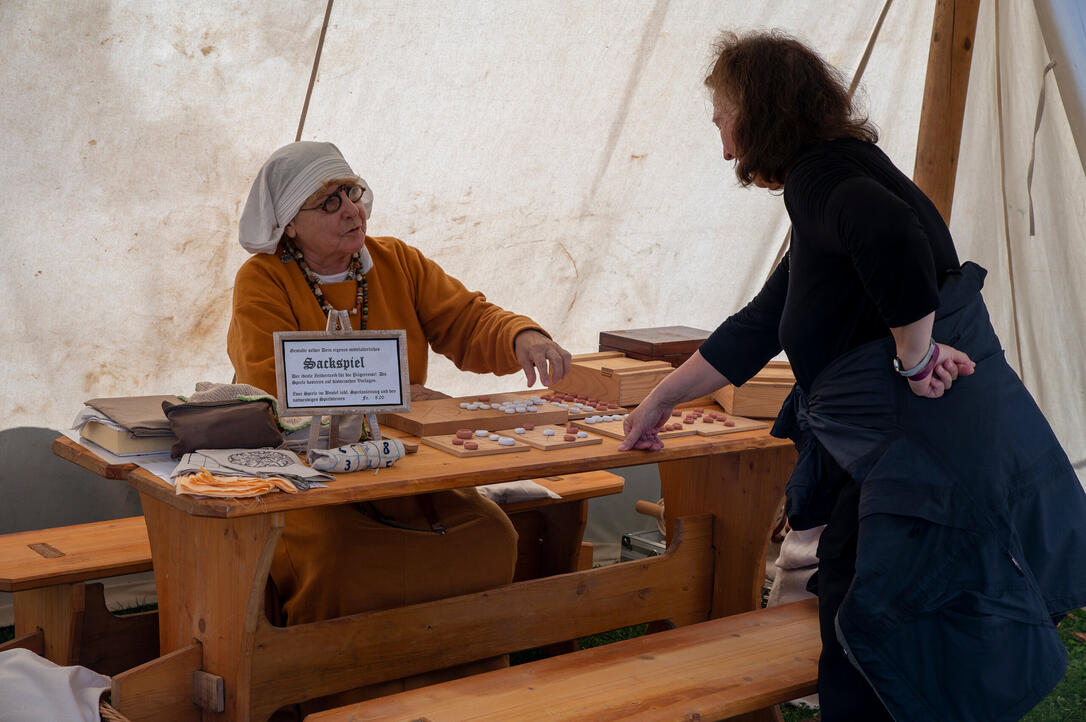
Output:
[[313, 74], [1033, 146], [860, 68]]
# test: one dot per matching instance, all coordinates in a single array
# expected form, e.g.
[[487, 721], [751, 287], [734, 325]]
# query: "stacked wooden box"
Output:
[[673, 344], [762, 396]]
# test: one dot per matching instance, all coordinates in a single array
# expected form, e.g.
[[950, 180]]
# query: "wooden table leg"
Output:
[[742, 491], [210, 575]]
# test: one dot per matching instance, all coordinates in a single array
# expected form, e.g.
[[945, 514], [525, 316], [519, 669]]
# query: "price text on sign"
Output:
[[342, 372]]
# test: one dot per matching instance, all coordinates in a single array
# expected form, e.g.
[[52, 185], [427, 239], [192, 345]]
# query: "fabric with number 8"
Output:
[[378, 454]]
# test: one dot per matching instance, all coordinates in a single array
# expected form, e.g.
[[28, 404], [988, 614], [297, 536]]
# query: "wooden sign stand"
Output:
[[338, 321]]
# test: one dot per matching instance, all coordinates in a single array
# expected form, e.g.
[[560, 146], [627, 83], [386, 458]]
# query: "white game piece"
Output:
[[509, 410], [548, 432], [494, 437], [520, 409], [519, 430], [588, 408], [465, 405], [532, 409], [506, 441], [582, 434], [482, 432]]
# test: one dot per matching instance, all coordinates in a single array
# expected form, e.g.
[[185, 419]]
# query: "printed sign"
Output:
[[341, 372]]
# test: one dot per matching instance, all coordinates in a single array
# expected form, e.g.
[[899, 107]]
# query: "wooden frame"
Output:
[[282, 338]]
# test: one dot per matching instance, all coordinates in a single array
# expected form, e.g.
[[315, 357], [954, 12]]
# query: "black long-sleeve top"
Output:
[[869, 252]]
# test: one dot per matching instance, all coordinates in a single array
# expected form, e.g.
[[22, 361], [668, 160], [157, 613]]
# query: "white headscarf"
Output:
[[290, 175]]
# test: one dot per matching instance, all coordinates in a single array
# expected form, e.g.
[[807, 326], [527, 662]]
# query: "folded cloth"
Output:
[[799, 550], [208, 484], [355, 457], [229, 424], [32, 689], [251, 462], [510, 491], [141, 415], [211, 391]]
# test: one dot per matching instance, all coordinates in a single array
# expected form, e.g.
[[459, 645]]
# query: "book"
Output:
[[123, 443]]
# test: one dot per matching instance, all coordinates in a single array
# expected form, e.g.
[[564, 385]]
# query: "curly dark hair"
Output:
[[787, 99]]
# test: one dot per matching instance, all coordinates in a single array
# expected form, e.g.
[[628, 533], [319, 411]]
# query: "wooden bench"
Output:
[[710, 670], [61, 617], [66, 620]]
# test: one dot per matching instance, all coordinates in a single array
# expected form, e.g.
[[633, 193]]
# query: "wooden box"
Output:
[[762, 396], [673, 344], [611, 376]]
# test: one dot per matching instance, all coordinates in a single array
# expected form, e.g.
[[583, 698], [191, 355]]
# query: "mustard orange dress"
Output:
[[334, 561]]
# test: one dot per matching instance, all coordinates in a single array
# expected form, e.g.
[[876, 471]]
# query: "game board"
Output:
[[485, 444], [698, 425]]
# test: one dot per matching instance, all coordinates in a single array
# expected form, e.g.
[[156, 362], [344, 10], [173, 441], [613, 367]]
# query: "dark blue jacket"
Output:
[[972, 523]]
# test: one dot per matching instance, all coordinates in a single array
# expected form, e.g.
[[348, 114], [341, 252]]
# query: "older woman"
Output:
[[956, 526], [305, 222]]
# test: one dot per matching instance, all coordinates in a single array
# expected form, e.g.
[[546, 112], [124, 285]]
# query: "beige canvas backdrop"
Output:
[[558, 156]]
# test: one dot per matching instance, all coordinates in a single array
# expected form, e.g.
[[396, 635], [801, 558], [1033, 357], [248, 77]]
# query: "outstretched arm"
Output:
[[695, 378]]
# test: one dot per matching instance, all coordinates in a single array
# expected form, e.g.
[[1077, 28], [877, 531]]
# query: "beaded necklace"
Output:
[[354, 273]]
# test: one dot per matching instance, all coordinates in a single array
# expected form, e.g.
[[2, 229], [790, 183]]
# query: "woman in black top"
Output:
[[906, 472]]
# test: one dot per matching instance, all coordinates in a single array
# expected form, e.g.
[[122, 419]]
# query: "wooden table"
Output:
[[212, 557]]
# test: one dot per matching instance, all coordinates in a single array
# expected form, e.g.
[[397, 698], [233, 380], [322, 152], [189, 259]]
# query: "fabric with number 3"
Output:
[[378, 454]]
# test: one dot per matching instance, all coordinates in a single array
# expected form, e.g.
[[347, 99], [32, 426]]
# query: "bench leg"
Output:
[[58, 612]]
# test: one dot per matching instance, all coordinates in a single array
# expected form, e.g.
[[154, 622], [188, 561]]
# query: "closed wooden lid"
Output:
[[655, 341]]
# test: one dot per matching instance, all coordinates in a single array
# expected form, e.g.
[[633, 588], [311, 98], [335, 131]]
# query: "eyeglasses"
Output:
[[332, 203]]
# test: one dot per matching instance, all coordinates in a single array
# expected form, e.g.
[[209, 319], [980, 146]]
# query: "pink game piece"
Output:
[[484, 399], [570, 437], [470, 445], [529, 427], [729, 422], [463, 434], [457, 441], [571, 429]]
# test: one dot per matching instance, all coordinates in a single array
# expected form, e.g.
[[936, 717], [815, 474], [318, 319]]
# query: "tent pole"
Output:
[[940, 135]]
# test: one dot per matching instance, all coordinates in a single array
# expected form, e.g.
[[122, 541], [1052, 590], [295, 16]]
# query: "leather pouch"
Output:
[[222, 425]]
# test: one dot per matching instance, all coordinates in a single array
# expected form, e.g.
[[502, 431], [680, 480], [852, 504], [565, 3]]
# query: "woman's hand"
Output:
[[535, 351], [642, 426], [695, 378], [952, 364]]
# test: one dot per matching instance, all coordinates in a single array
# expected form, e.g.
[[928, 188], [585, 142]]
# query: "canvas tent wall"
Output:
[[558, 156]]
